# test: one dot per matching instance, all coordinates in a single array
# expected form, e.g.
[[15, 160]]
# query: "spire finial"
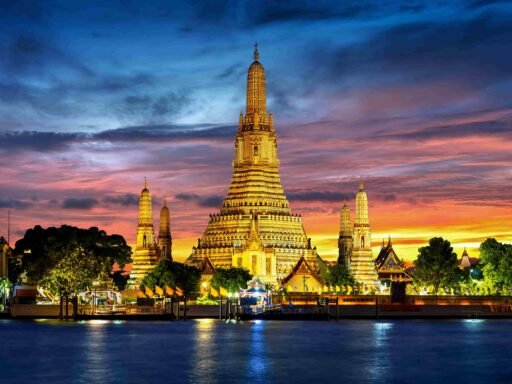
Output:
[[361, 185], [389, 240], [256, 52], [165, 201], [145, 182]]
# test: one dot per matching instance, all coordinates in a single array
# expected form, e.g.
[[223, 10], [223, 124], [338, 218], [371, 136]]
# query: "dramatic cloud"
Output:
[[202, 201], [414, 99], [77, 203]]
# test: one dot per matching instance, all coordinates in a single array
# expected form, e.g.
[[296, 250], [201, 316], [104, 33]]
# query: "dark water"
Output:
[[209, 351]]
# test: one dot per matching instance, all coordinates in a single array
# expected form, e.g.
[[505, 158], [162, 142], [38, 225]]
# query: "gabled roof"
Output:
[[387, 262], [207, 267], [302, 267]]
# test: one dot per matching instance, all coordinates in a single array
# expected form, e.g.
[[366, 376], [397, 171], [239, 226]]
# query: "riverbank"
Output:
[[288, 312]]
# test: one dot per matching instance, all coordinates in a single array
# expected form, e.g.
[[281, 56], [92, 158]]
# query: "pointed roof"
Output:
[[207, 267], [302, 267], [465, 261], [388, 262]]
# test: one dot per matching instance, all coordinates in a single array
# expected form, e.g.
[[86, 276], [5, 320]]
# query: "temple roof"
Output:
[[207, 267], [387, 262], [302, 267]]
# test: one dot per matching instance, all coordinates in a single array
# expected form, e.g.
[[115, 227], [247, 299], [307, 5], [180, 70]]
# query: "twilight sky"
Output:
[[415, 98]]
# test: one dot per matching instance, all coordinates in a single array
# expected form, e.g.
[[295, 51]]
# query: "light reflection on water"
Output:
[[210, 351]]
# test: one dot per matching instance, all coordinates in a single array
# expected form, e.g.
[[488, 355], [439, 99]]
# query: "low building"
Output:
[[303, 278], [392, 272]]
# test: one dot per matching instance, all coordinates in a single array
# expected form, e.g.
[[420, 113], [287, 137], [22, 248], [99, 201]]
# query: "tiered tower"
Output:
[[362, 264], [146, 252], [255, 228], [345, 237], [164, 235]]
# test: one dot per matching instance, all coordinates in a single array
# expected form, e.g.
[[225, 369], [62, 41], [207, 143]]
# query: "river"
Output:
[[211, 351]]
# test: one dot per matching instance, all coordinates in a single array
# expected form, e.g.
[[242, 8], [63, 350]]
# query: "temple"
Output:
[[354, 242], [465, 262], [148, 252], [255, 228]]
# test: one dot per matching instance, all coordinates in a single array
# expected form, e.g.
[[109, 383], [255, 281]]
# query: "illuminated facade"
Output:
[[255, 228], [147, 251], [354, 243], [164, 234]]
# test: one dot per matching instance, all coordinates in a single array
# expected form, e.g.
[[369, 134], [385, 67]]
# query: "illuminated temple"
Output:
[[148, 252], [354, 242], [255, 228]]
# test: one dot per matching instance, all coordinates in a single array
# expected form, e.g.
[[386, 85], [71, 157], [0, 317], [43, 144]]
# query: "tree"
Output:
[[496, 261], [174, 275], [40, 250], [436, 265], [73, 273], [339, 275], [231, 279]]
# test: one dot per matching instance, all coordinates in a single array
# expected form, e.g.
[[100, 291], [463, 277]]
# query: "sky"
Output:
[[414, 98]]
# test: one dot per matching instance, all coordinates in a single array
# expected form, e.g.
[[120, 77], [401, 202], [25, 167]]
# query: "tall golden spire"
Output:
[[256, 95], [164, 234]]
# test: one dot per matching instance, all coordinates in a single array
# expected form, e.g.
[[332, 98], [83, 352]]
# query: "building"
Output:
[[303, 279], [345, 238], [255, 227], [391, 272], [465, 262], [164, 235], [148, 251], [355, 243]]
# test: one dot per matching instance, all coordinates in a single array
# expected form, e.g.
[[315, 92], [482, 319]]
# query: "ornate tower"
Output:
[[362, 263], [145, 256], [345, 237], [164, 235], [255, 228]]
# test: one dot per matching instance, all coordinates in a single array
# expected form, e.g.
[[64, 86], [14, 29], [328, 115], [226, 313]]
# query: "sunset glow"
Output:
[[414, 101]]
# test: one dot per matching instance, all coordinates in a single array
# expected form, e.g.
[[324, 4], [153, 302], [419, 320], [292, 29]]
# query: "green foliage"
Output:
[[339, 275], [173, 274], [206, 300], [41, 250], [436, 266], [496, 261], [73, 273], [231, 279]]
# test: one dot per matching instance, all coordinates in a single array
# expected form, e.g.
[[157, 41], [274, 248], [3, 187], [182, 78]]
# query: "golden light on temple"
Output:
[[255, 228]]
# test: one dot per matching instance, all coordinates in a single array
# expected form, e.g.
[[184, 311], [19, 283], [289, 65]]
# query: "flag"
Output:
[[179, 291], [140, 294], [326, 288], [338, 288], [214, 292], [223, 291], [149, 292], [169, 291], [159, 291]]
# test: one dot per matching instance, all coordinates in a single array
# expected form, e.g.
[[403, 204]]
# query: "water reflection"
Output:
[[204, 354], [257, 360], [380, 361], [96, 354]]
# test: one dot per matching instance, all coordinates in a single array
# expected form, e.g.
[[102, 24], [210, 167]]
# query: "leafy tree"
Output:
[[174, 275], [73, 273], [41, 250], [496, 261], [436, 265], [339, 275], [231, 279]]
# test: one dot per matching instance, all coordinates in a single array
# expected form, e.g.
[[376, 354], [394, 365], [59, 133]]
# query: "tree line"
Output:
[[66, 260]]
